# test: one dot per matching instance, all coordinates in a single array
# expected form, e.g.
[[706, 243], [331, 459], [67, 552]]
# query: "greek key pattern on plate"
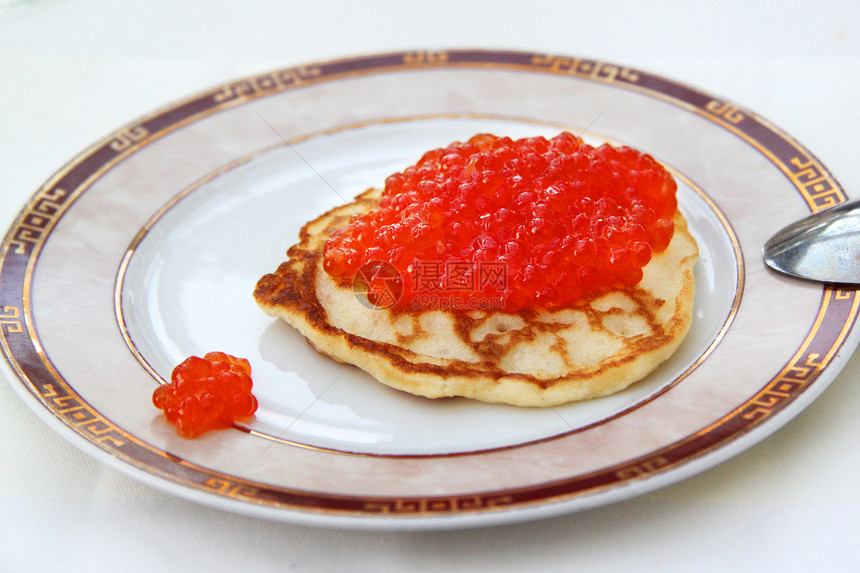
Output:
[[37, 220], [642, 468], [783, 387], [803, 369], [80, 415], [275, 81], [725, 111], [586, 68], [436, 505], [128, 137], [425, 57], [11, 321], [230, 487], [815, 184]]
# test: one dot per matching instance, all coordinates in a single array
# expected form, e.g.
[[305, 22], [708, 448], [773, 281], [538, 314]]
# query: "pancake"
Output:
[[532, 357]]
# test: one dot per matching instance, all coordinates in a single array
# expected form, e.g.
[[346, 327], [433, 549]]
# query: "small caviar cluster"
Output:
[[566, 218], [207, 393]]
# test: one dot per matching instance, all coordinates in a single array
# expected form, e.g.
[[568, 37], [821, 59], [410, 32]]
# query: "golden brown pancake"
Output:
[[532, 357]]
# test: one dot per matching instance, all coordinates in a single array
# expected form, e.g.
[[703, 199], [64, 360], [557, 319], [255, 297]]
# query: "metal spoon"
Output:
[[823, 247]]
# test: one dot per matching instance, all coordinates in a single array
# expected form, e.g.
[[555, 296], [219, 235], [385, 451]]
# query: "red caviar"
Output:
[[207, 393], [566, 219]]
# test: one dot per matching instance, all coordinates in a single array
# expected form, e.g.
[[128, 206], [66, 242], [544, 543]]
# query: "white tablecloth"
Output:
[[73, 71]]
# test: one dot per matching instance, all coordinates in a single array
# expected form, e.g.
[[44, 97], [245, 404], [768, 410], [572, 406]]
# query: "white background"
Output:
[[73, 71]]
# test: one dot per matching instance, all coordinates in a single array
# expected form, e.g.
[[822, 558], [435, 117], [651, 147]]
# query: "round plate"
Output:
[[145, 249]]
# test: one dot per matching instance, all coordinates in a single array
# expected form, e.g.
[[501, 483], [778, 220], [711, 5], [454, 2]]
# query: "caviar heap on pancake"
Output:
[[564, 218], [596, 286]]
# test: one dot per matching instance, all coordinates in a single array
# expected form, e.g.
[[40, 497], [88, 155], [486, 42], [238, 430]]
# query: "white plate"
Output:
[[145, 250]]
